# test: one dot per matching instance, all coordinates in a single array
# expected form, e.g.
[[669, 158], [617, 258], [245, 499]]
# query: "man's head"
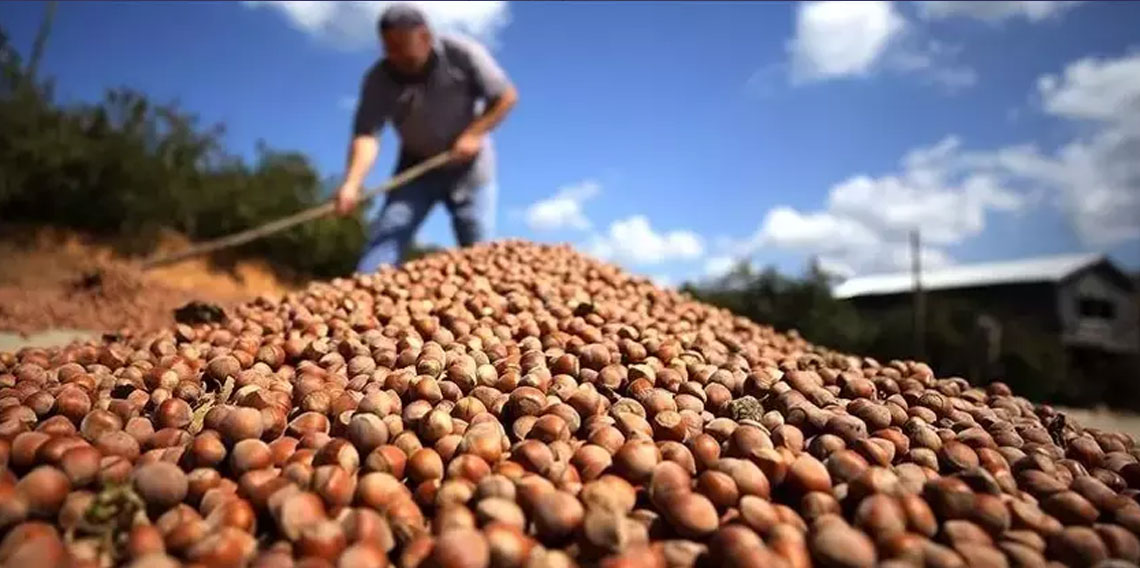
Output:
[[407, 39]]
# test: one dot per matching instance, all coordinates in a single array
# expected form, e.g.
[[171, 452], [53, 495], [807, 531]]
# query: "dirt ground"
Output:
[[1105, 419], [12, 342], [60, 280]]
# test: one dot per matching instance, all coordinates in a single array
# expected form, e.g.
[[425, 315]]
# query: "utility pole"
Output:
[[919, 298], [41, 40]]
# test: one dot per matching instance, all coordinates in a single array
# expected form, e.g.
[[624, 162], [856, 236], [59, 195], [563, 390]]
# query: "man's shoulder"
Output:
[[376, 76], [375, 70], [455, 43]]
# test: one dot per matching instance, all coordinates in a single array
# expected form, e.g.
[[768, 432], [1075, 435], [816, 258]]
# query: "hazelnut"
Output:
[[162, 485], [557, 515], [44, 489]]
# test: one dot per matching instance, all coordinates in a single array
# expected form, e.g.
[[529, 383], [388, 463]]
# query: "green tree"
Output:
[[127, 168], [803, 304]]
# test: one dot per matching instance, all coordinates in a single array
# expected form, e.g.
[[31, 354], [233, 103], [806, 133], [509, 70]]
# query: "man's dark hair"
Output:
[[401, 17]]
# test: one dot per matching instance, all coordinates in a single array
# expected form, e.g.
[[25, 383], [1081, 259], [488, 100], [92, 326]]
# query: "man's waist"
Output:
[[408, 158]]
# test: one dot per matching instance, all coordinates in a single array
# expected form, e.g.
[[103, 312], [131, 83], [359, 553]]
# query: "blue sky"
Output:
[[675, 137]]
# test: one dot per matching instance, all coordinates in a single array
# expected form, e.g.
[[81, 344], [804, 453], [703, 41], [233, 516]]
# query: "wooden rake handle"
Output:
[[295, 219]]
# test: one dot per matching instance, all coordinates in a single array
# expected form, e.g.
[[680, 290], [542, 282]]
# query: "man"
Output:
[[440, 93]]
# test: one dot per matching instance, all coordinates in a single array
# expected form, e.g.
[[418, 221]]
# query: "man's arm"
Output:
[[468, 143], [494, 115], [362, 152], [495, 87], [364, 146]]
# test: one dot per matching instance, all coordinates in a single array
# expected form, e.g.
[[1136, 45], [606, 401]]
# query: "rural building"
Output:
[[1082, 300]]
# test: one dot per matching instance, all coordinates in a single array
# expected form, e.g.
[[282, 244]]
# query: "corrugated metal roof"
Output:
[[1044, 269]]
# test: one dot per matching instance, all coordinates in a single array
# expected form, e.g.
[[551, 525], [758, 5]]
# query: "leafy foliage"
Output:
[[126, 168], [803, 304]]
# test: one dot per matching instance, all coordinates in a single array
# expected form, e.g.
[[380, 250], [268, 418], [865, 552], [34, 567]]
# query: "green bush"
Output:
[[803, 304], [126, 168]]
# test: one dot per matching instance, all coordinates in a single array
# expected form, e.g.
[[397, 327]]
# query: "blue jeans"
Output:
[[472, 211]]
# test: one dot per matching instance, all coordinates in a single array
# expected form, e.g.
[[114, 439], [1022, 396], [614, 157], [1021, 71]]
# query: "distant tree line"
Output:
[[1031, 361]]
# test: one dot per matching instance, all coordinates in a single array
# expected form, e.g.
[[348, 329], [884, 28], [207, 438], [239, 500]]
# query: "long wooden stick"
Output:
[[296, 218]]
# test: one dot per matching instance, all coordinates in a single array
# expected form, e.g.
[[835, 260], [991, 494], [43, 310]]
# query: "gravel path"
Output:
[[52, 338]]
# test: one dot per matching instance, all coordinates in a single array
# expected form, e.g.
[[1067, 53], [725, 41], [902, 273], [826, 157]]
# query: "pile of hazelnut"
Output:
[[520, 405]]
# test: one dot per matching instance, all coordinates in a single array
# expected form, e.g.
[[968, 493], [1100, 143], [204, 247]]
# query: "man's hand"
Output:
[[467, 146], [347, 197]]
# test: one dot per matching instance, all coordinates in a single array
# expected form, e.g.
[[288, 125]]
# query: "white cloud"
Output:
[[948, 192], [1095, 177], [1095, 180], [867, 220], [1100, 184], [993, 11], [717, 266], [849, 39], [663, 280], [1106, 90], [821, 231], [900, 256], [763, 82], [835, 267], [840, 39], [932, 193], [564, 209], [933, 61], [723, 242], [954, 77], [888, 257], [634, 241], [353, 24]]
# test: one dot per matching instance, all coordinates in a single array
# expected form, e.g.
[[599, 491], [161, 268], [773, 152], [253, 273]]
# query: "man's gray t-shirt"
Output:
[[430, 112]]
